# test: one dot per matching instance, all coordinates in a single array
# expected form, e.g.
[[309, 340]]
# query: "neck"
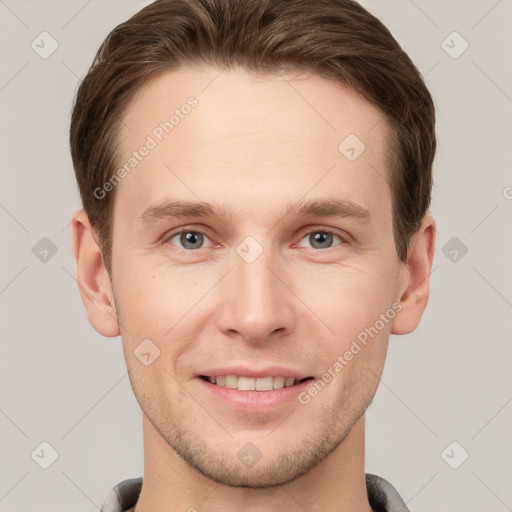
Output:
[[336, 484]]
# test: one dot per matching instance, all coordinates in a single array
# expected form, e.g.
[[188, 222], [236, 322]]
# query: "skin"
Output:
[[253, 143]]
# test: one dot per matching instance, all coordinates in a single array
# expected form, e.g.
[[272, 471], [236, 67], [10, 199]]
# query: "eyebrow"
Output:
[[170, 209]]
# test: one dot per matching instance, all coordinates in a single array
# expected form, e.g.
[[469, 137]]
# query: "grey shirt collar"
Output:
[[383, 497]]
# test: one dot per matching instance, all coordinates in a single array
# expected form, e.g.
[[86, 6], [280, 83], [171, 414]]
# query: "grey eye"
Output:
[[321, 239], [189, 239]]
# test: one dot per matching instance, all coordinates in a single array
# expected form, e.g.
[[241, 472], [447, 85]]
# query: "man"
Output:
[[255, 179]]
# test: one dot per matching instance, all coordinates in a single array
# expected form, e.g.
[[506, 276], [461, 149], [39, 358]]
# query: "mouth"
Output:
[[271, 394], [263, 384]]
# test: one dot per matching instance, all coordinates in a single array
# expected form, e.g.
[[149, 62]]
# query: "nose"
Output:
[[256, 302]]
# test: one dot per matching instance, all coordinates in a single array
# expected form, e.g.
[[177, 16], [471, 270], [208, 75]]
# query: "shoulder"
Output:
[[383, 497], [123, 497]]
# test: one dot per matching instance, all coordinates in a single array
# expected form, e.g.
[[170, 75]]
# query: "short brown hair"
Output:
[[336, 39]]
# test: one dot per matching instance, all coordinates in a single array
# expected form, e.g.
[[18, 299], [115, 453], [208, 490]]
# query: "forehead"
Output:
[[239, 136]]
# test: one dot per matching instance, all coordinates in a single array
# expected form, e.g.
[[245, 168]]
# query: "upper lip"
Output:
[[244, 371]]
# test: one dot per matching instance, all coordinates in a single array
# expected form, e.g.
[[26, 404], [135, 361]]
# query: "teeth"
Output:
[[262, 384], [247, 383], [252, 384], [230, 381], [289, 381], [278, 382]]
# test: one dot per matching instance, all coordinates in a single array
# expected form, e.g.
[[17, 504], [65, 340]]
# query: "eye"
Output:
[[189, 239], [320, 239]]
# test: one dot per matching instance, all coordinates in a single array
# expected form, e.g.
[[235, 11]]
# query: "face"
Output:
[[280, 275]]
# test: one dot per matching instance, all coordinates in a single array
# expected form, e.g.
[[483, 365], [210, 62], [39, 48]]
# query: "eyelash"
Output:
[[343, 238]]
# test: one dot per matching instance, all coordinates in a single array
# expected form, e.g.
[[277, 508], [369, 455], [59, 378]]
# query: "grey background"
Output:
[[63, 383]]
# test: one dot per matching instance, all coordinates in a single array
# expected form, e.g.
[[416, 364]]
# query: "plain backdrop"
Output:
[[439, 426]]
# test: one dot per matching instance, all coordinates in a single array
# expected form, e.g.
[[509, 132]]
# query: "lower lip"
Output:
[[254, 401]]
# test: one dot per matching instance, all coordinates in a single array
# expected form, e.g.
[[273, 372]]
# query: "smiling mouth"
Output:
[[253, 384]]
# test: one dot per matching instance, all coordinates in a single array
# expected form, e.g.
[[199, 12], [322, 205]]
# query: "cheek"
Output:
[[166, 306], [349, 299], [153, 300]]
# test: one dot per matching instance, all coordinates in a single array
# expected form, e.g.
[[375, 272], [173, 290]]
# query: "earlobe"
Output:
[[92, 277], [414, 281]]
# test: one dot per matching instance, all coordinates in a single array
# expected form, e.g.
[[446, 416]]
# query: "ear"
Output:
[[414, 279], [92, 277]]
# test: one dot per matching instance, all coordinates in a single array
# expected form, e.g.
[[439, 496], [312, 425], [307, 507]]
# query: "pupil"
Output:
[[190, 238], [322, 238]]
